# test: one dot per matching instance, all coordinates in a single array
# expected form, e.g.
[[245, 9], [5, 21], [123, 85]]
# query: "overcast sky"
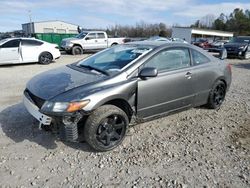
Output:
[[103, 13]]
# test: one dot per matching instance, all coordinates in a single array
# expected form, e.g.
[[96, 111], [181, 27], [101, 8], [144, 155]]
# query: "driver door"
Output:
[[90, 42], [10, 52], [172, 89]]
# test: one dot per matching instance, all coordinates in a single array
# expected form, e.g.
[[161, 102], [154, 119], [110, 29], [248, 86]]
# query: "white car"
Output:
[[27, 50]]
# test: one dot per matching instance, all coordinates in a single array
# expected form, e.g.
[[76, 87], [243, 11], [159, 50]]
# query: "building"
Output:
[[193, 34], [49, 27]]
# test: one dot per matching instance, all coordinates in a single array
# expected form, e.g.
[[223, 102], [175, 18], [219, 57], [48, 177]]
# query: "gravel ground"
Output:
[[195, 148]]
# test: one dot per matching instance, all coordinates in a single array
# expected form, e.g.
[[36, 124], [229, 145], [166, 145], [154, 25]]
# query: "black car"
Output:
[[239, 47]]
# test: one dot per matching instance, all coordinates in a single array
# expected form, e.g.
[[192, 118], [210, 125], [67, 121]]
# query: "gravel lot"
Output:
[[195, 148]]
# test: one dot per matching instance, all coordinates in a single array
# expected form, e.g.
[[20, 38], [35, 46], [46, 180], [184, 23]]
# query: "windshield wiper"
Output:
[[94, 68]]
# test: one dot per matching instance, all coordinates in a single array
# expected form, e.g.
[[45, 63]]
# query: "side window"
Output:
[[170, 59], [199, 58], [100, 36], [31, 43], [91, 36], [11, 44]]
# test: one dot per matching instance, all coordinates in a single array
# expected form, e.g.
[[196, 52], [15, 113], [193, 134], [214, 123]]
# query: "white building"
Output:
[[49, 27], [192, 34]]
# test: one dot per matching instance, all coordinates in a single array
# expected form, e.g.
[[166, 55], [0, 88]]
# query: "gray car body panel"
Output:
[[169, 91]]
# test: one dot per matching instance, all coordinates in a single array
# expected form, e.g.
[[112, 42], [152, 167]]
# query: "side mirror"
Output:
[[87, 38], [148, 72]]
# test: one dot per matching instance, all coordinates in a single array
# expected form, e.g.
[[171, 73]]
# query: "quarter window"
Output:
[[11, 44], [171, 59], [199, 58]]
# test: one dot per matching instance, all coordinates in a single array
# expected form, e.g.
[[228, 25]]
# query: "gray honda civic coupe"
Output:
[[96, 99]]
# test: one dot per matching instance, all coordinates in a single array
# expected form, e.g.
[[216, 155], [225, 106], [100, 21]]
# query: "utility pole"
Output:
[[30, 24]]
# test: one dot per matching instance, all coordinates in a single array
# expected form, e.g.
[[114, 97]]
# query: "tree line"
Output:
[[140, 30], [238, 22]]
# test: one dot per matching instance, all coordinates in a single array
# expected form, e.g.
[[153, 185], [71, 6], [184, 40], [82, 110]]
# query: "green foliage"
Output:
[[238, 22]]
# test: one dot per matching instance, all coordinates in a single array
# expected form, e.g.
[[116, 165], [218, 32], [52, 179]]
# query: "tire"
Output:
[[105, 128], [217, 95], [45, 58], [114, 44], [77, 50], [68, 51]]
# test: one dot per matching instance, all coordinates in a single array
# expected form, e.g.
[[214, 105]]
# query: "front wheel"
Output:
[[77, 50], [217, 95], [106, 127], [45, 58]]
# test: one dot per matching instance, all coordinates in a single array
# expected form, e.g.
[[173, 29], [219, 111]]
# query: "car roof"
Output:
[[21, 38]]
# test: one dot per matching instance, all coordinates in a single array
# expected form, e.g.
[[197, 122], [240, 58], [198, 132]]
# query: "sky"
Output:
[[103, 13]]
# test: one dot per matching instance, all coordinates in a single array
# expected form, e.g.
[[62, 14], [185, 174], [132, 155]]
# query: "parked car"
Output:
[[99, 97], [239, 47], [178, 40], [203, 43], [27, 50], [157, 38], [89, 40], [217, 45]]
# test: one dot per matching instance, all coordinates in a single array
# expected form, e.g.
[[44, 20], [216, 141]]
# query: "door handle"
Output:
[[188, 75], [96, 41]]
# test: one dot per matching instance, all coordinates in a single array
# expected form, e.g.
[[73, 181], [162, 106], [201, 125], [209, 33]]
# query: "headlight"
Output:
[[242, 47], [68, 43], [64, 106]]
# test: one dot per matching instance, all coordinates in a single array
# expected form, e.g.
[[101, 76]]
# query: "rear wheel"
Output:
[[77, 50], [217, 95], [45, 58], [105, 128]]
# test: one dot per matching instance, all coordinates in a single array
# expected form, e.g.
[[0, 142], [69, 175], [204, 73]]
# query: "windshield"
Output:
[[114, 59], [3, 41], [240, 39], [81, 35]]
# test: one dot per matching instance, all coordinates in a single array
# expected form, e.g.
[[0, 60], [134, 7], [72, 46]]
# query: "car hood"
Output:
[[70, 39], [235, 44], [49, 84]]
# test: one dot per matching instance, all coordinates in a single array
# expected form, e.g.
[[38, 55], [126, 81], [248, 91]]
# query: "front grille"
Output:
[[231, 49], [37, 101]]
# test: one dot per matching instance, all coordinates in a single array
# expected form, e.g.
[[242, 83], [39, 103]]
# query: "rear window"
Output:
[[100, 36]]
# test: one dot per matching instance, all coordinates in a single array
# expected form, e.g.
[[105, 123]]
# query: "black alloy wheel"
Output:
[[105, 128], [217, 95], [111, 130]]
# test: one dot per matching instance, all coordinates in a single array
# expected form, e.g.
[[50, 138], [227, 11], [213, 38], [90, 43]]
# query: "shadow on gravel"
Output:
[[19, 125], [243, 65]]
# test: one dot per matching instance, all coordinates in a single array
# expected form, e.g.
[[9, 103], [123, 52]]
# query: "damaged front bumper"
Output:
[[65, 125]]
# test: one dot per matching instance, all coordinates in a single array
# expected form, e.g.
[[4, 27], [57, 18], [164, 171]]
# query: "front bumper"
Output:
[[65, 125], [34, 111]]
